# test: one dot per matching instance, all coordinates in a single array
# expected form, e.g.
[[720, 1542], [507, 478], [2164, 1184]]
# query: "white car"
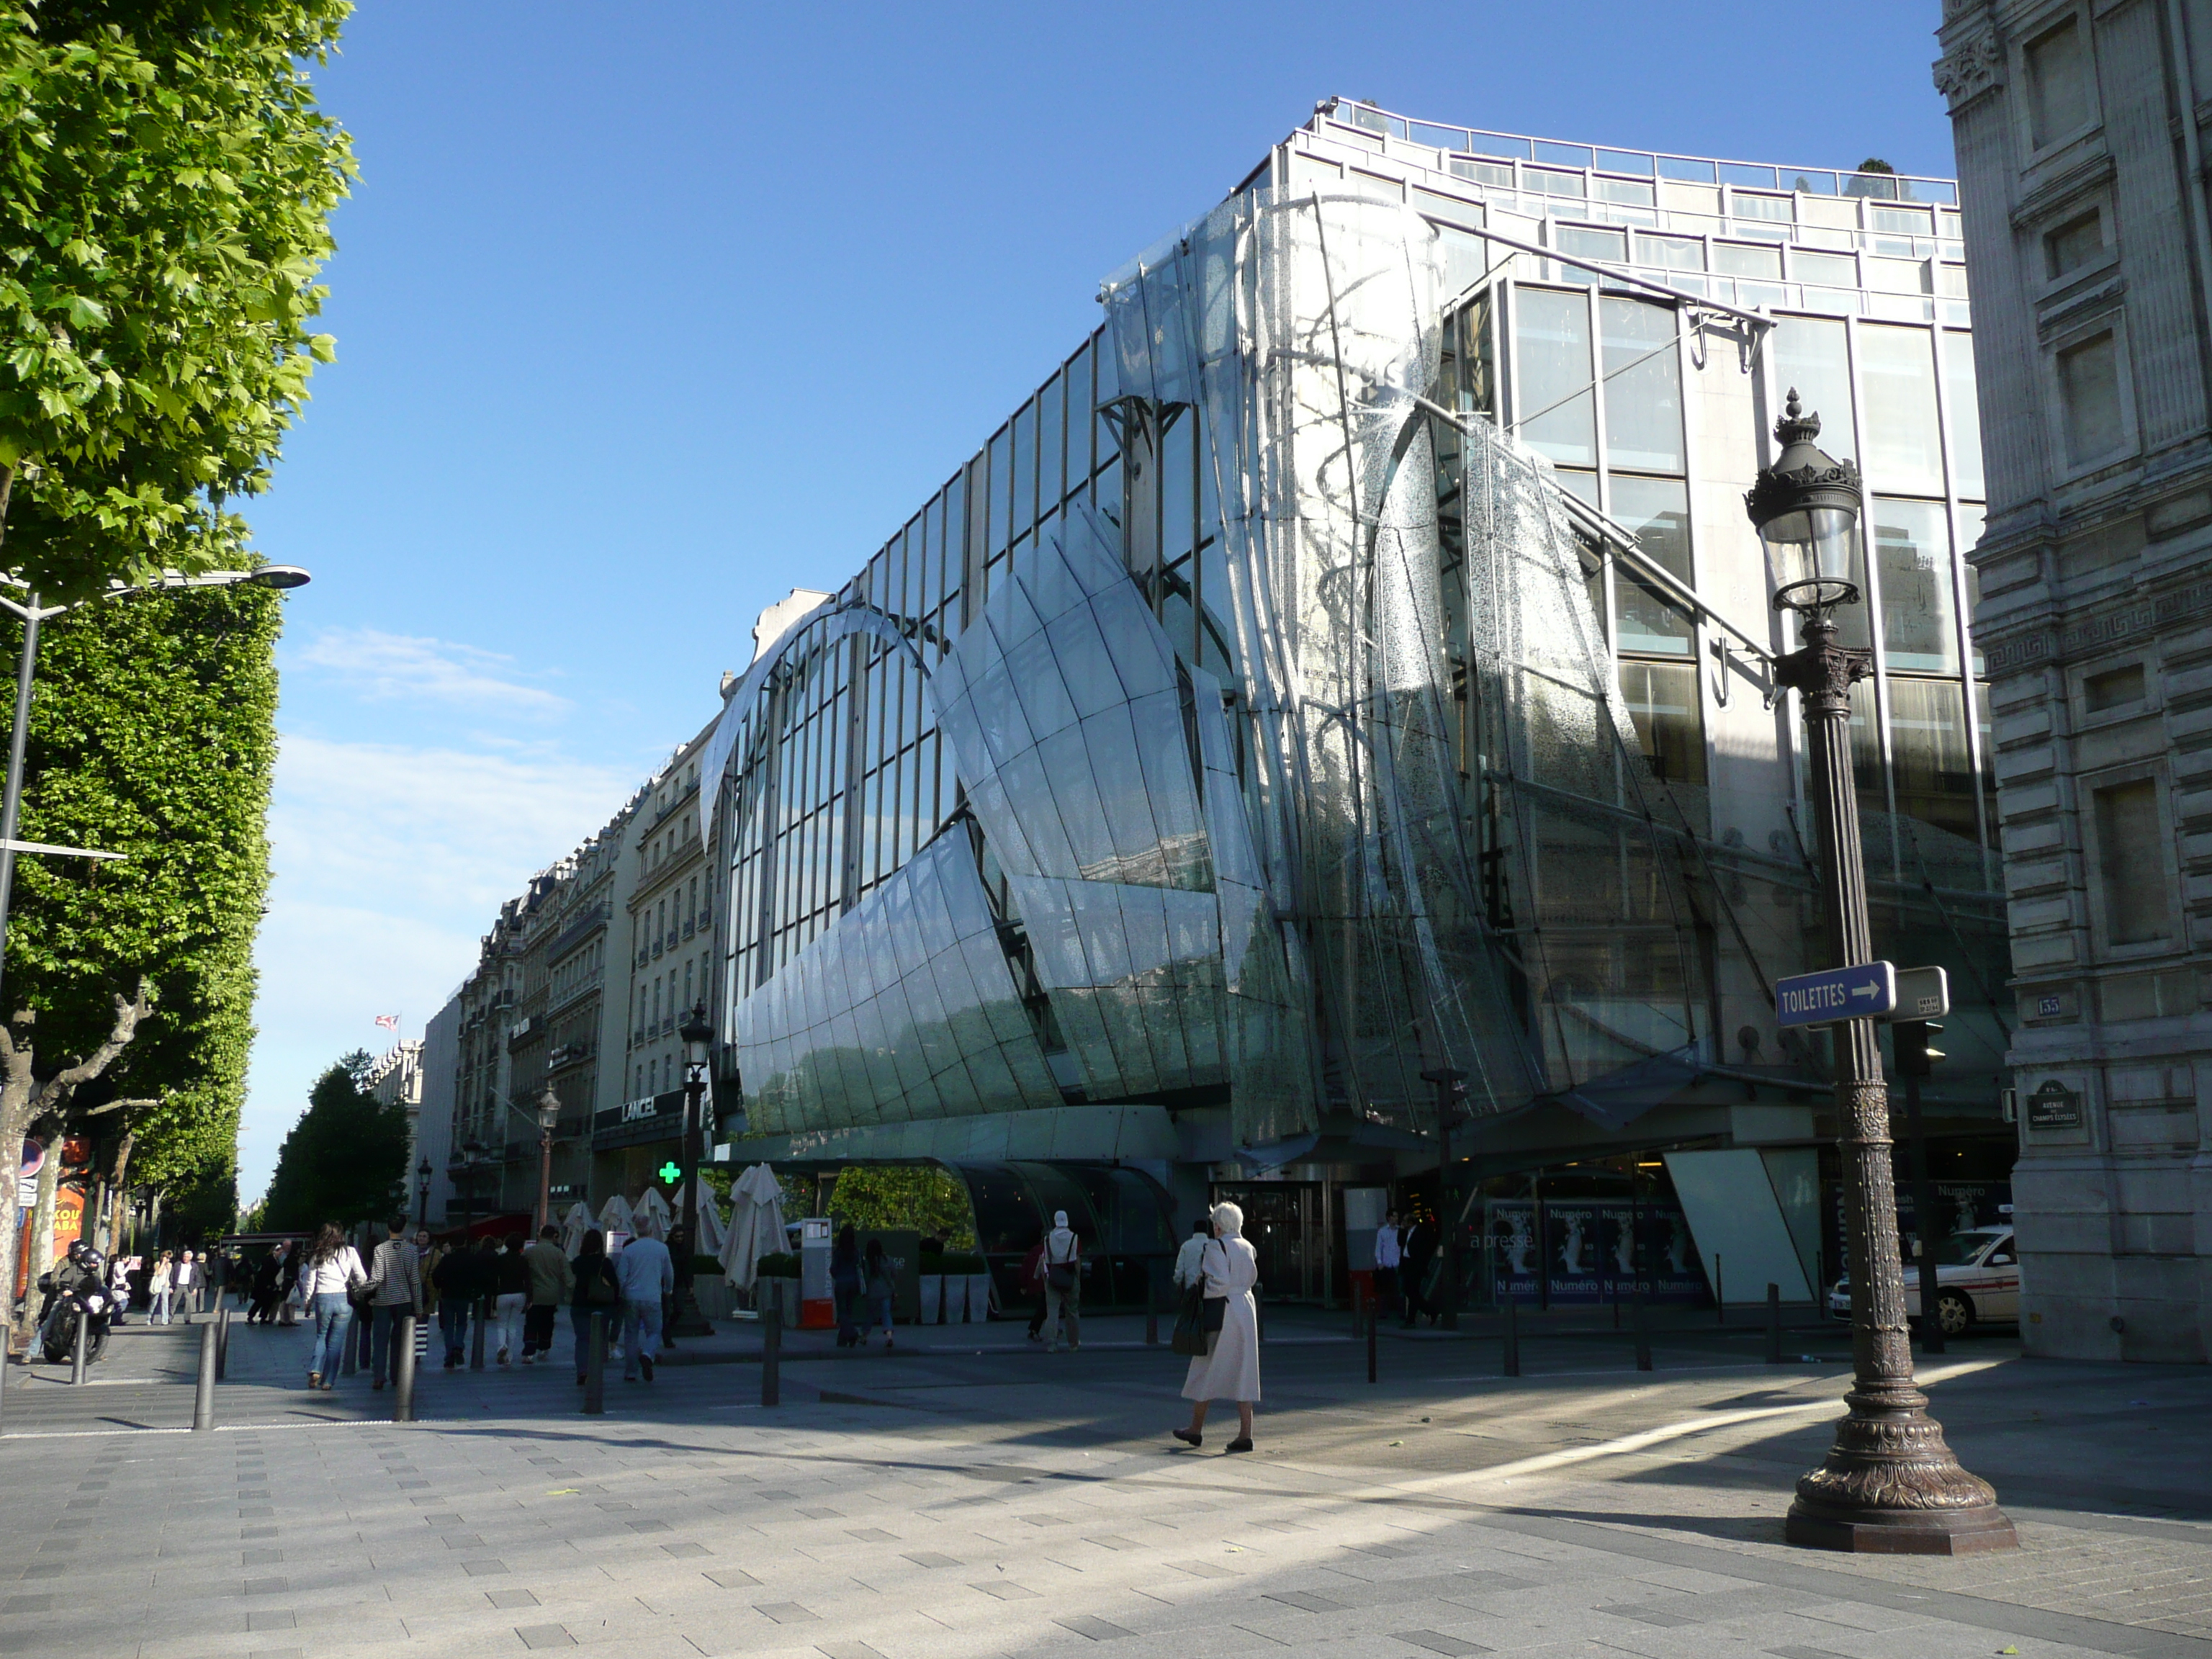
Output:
[[1976, 1282]]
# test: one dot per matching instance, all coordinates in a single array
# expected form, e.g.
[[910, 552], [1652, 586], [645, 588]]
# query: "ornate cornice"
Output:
[[1973, 66]]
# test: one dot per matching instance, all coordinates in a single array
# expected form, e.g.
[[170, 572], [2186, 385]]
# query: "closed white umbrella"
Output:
[[615, 1216], [755, 1225], [709, 1242], [651, 1214], [577, 1223]]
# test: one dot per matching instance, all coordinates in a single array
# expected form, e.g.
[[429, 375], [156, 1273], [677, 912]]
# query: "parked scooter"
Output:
[[76, 1291]]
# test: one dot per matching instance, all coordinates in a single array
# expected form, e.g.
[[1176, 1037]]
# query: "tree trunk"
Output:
[[118, 1195], [40, 1241]]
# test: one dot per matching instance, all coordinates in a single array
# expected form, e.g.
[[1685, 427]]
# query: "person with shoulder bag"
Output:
[[395, 1287], [328, 1278], [597, 1291], [1063, 1284], [1228, 1367]]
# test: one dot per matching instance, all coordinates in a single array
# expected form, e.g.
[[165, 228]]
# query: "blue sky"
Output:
[[647, 314]]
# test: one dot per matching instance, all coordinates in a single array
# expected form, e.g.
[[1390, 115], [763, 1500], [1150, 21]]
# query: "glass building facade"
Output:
[[1352, 664]]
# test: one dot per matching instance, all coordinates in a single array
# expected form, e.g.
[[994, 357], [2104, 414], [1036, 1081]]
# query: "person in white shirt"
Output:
[[1187, 1269], [1063, 1284], [647, 1272], [332, 1269], [1388, 1254], [185, 1286]]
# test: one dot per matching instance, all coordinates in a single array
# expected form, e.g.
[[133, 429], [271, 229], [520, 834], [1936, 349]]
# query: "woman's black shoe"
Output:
[[1242, 1443], [1188, 1436]]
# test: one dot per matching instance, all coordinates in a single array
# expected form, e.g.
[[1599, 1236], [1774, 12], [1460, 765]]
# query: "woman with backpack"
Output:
[[326, 1280], [598, 1291]]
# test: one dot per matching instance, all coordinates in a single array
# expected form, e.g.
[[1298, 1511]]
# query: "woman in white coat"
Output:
[[1229, 1369]]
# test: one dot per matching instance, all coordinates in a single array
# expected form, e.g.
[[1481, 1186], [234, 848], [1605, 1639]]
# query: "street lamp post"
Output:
[[1890, 1484], [698, 1038], [549, 1114], [1448, 1081], [422, 1173], [31, 613], [472, 1160]]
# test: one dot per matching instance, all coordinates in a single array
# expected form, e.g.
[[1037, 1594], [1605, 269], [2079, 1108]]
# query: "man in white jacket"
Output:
[[1186, 1270]]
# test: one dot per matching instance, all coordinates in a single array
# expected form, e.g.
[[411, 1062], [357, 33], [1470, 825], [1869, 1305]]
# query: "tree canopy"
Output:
[[166, 182], [345, 1159]]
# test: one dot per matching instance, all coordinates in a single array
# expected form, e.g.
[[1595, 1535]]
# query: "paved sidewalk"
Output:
[[1013, 1503]]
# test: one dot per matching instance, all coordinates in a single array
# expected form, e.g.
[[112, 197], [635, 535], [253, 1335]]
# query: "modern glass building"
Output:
[[1350, 668]]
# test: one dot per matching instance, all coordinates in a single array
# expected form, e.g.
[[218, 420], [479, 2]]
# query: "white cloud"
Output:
[[391, 862], [382, 667]]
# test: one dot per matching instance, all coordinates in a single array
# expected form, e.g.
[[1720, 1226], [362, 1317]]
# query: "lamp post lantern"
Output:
[[549, 1114], [1890, 1484], [422, 1191], [698, 1037]]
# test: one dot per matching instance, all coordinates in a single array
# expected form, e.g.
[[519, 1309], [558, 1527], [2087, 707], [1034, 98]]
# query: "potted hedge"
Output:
[[782, 1268], [933, 1283], [966, 1288], [710, 1287]]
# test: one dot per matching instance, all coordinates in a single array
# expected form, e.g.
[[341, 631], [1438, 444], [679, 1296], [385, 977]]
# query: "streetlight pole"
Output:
[[422, 1173], [549, 1114], [1448, 1082], [31, 614], [1890, 1484], [698, 1038]]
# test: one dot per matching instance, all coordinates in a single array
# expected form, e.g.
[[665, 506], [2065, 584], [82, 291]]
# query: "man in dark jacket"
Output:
[[462, 1278]]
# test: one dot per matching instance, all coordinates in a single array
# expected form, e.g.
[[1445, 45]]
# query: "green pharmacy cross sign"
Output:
[[668, 1173]]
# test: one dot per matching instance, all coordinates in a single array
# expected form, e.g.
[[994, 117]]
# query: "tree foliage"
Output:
[[345, 1159], [152, 734], [928, 1198], [166, 181]]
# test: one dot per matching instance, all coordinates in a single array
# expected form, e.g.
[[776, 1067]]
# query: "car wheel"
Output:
[[1954, 1313]]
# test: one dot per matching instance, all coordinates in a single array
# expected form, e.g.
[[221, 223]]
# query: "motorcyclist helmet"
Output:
[[82, 1252]]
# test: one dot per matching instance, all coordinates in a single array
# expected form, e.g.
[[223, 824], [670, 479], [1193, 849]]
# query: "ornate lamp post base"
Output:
[[1891, 1486]]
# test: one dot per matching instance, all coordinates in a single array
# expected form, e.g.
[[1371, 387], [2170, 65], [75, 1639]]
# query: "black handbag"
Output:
[[1189, 1336]]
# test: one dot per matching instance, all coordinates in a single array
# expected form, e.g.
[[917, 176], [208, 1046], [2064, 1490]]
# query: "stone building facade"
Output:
[[2081, 169]]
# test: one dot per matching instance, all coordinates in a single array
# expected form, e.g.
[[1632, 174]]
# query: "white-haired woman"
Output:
[[1230, 1369]]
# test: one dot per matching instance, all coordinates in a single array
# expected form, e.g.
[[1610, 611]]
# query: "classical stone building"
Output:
[[2081, 171]]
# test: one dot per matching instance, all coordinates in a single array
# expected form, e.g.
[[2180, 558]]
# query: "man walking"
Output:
[[1187, 1268], [1388, 1254], [646, 1273], [457, 1282], [395, 1286], [185, 1286], [552, 1282], [1063, 1284]]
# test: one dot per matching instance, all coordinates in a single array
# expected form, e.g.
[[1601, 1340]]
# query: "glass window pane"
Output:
[[1932, 769], [1049, 446], [1912, 560], [1897, 374], [1812, 358], [1738, 259], [1556, 411], [1642, 386], [1965, 414], [1023, 480], [1663, 705], [1658, 511], [1076, 377], [1970, 532]]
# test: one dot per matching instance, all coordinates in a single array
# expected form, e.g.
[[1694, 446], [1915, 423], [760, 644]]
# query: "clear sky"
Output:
[[648, 313]]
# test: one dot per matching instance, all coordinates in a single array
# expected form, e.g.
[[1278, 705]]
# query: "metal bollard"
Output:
[[222, 1345], [1643, 1334], [1512, 1336], [475, 1345], [204, 1393], [595, 1369], [78, 1349], [772, 1344], [1720, 1297], [1774, 1324], [402, 1369], [1374, 1318]]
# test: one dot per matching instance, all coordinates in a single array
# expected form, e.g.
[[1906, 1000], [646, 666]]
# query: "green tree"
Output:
[[166, 183], [345, 1159], [924, 1197], [154, 735]]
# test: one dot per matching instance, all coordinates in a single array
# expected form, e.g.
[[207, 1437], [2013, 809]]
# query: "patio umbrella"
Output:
[[615, 1215], [709, 1242], [755, 1227], [574, 1226], [651, 1214]]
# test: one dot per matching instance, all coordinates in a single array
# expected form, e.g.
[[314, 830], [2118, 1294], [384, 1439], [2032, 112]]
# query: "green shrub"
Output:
[[958, 1261], [705, 1264], [778, 1264]]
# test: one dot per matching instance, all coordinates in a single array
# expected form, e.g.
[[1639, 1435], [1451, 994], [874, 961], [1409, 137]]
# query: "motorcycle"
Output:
[[65, 1308]]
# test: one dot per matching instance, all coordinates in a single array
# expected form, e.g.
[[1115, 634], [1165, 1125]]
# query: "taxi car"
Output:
[[1976, 1282]]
